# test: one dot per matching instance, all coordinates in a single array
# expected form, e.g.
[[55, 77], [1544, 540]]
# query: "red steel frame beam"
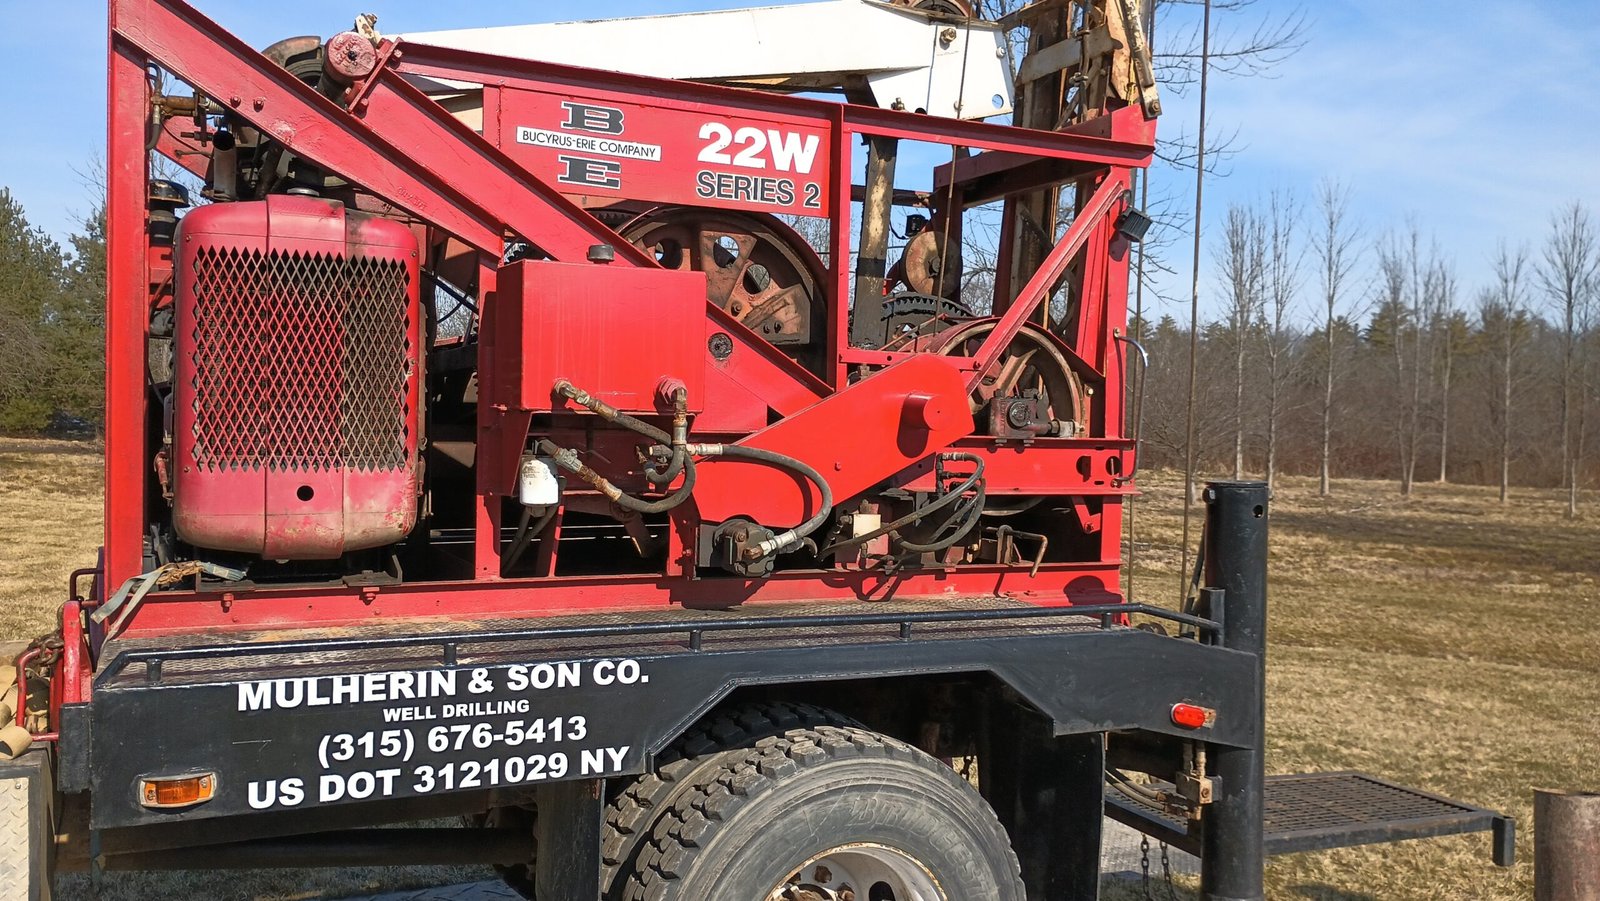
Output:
[[480, 68], [1057, 584], [1093, 216], [127, 294], [402, 162], [181, 152]]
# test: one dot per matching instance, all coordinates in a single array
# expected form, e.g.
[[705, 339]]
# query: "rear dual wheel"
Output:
[[822, 812], [790, 802]]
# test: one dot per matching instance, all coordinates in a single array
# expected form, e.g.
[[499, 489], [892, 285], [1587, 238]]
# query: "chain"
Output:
[[1144, 866], [1166, 872]]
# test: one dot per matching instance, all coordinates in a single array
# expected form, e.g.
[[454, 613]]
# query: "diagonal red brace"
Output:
[[1105, 198]]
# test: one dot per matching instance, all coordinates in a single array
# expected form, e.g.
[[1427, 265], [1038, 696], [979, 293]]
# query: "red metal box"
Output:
[[616, 332]]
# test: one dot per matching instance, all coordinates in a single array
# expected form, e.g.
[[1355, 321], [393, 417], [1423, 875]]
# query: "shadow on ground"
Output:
[[1318, 892]]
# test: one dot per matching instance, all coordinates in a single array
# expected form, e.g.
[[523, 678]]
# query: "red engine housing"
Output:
[[296, 397]]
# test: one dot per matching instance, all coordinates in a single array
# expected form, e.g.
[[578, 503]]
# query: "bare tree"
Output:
[[1569, 276], [1281, 285], [1450, 329], [1398, 328], [1242, 260], [1503, 322], [1336, 250]]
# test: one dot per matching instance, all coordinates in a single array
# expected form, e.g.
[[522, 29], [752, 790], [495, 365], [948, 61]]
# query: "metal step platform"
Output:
[[1317, 811]]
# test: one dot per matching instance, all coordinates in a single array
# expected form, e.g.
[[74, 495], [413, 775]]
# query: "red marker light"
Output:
[[1192, 716]]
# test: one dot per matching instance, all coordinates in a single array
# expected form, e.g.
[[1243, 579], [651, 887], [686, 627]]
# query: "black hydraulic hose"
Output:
[[527, 530], [788, 539], [964, 520], [682, 459], [916, 515], [680, 426]]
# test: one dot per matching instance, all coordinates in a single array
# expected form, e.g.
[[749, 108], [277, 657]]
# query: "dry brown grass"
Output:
[[51, 491], [1444, 641], [51, 495]]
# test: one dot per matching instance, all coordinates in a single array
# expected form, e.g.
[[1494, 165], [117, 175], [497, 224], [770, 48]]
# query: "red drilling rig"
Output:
[[575, 451]]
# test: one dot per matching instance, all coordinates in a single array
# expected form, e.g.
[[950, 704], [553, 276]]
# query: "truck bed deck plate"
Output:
[[1317, 811]]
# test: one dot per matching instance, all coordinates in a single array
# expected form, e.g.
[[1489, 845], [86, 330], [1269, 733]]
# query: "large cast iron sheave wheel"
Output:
[[1031, 363], [757, 268]]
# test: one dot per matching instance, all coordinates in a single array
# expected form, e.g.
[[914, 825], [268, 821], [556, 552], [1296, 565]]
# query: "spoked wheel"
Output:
[[1031, 367], [758, 269]]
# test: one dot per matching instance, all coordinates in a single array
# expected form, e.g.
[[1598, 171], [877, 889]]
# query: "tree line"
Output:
[[52, 345], [1335, 353]]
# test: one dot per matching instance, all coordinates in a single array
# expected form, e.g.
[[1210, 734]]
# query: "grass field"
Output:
[[1444, 641]]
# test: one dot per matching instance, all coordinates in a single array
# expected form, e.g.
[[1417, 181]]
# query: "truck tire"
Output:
[[636, 802], [821, 810], [696, 756]]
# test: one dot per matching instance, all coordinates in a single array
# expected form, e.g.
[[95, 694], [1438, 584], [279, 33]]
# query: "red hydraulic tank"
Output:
[[628, 335], [296, 401]]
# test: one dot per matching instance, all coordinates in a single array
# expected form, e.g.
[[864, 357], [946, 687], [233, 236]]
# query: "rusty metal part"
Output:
[[758, 269], [960, 8], [1032, 366], [349, 58], [1566, 853], [928, 269], [999, 545]]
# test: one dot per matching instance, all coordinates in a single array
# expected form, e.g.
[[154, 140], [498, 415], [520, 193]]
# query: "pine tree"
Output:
[[31, 269], [76, 340]]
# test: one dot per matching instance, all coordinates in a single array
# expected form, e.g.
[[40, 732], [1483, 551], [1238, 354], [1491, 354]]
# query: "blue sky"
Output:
[[1477, 118]]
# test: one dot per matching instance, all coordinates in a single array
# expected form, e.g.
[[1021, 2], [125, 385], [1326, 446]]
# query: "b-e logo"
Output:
[[603, 120], [581, 170]]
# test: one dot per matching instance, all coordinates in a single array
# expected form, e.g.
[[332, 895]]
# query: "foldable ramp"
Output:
[[1317, 811]]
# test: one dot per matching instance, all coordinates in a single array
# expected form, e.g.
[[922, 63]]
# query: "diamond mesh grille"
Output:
[[301, 361]]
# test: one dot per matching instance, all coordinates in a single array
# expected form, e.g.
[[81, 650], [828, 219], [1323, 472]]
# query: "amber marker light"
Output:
[[1192, 716], [177, 791]]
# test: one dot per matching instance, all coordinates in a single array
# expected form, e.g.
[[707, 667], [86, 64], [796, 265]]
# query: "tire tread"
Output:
[[743, 777]]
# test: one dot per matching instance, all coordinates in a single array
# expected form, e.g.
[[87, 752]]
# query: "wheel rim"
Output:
[[860, 871]]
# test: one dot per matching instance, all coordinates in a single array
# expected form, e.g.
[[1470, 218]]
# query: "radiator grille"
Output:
[[301, 361]]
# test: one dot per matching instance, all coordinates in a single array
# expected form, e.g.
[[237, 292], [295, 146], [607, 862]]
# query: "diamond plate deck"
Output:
[[1316, 811]]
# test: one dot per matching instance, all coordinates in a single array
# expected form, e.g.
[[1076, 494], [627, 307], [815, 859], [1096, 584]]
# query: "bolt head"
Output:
[[602, 253]]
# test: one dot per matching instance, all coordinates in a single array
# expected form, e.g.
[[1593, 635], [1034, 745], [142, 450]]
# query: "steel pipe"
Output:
[[1233, 845], [1566, 846]]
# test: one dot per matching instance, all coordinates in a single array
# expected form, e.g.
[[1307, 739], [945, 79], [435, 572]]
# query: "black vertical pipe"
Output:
[[1233, 853]]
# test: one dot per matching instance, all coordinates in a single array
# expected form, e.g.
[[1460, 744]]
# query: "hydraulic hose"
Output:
[[568, 460], [527, 530], [963, 520], [609, 413], [954, 495], [682, 460], [783, 541]]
